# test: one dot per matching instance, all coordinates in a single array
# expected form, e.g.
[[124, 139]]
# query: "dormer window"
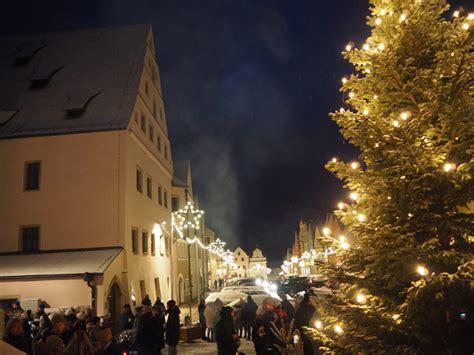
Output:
[[44, 75], [7, 115], [78, 103], [27, 52]]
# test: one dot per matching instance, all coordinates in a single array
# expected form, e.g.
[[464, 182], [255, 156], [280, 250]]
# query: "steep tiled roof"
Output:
[[70, 82], [181, 173]]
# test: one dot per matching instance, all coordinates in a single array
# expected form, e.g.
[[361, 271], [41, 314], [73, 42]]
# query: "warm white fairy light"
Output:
[[470, 16], [354, 196], [366, 47], [341, 205], [381, 46], [465, 26], [318, 324], [326, 231], [338, 329], [361, 298], [376, 97], [345, 245], [423, 271], [334, 160], [383, 12], [395, 123], [344, 80], [361, 217], [405, 115], [341, 110], [456, 13], [354, 164], [448, 167], [367, 70], [403, 17], [351, 94], [378, 21], [342, 238], [365, 112], [348, 47]]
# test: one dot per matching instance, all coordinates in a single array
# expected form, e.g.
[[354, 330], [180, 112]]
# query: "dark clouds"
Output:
[[248, 86]]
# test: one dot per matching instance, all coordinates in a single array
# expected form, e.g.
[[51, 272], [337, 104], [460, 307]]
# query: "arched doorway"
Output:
[[180, 289], [114, 297]]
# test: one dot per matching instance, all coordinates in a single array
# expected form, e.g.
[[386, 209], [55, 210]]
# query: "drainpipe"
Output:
[[88, 277]]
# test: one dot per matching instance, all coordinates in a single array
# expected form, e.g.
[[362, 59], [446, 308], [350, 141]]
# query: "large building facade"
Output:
[[86, 169]]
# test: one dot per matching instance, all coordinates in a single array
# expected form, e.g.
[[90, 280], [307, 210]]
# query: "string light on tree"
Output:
[[354, 196], [354, 164], [318, 324], [448, 167], [338, 329], [423, 271], [341, 205], [361, 298]]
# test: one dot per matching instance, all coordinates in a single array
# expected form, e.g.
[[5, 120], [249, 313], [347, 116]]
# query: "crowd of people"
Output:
[[81, 332], [149, 328]]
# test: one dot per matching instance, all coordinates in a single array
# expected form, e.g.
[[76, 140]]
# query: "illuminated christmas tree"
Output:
[[407, 286]]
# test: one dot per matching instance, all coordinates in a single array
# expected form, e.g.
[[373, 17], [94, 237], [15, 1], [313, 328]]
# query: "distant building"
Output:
[[257, 264], [86, 169], [241, 258]]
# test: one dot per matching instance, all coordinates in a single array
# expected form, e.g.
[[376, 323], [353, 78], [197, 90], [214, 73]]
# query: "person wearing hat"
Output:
[[226, 337], [126, 318], [303, 318], [249, 313], [172, 326], [263, 338]]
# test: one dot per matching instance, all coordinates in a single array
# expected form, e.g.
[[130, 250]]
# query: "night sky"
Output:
[[248, 86]]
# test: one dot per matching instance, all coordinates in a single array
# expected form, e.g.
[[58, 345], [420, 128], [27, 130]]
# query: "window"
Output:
[[242, 259], [139, 180], [136, 117], [134, 240], [30, 238], [165, 198], [245, 267], [154, 109], [158, 142], [143, 123], [166, 152], [149, 189], [144, 242], [160, 195], [32, 176], [151, 133], [146, 88], [152, 244], [238, 253], [143, 288], [174, 203], [157, 287], [162, 245]]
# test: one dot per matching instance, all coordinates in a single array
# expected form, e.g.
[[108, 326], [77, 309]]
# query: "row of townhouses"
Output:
[[87, 180]]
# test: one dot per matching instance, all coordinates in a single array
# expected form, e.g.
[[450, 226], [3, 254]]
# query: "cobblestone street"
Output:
[[204, 347]]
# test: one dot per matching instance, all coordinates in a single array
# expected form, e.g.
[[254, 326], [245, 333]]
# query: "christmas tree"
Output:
[[407, 284]]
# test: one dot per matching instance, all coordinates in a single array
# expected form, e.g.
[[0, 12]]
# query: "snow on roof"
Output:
[[57, 263], [46, 77]]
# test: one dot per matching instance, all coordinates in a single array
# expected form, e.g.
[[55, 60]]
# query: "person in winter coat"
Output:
[[159, 317], [288, 308], [146, 332], [249, 313], [226, 337], [172, 326], [304, 314], [15, 336], [209, 315], [202, 319], [263, 338], [158, 303], [146, 301], [80, 344], [127, 318], [58, 328]]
